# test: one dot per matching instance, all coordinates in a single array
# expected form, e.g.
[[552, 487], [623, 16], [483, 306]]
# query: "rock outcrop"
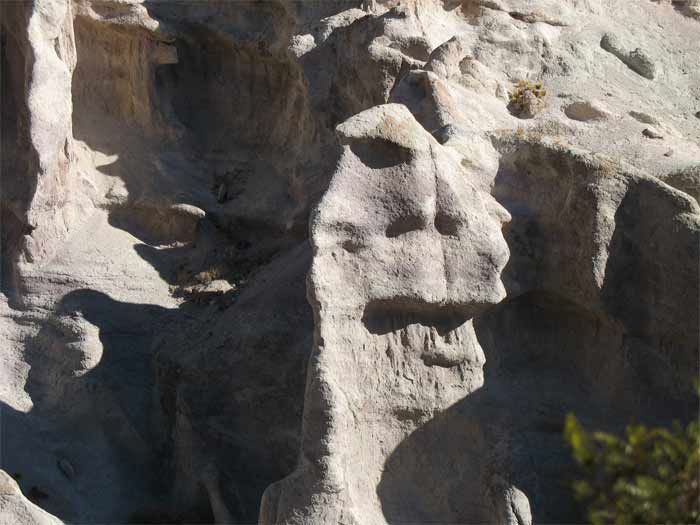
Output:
[[305, 262], [404, 234], [15, 508], [39, 201]]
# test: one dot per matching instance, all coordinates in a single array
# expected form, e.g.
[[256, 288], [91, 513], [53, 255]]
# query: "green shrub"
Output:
[[648, 476]]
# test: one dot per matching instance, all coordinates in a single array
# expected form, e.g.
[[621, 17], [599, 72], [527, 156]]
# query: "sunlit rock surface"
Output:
[[288, 261]]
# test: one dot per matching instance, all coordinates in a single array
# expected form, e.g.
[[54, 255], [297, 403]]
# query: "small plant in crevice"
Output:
[[527, 99]]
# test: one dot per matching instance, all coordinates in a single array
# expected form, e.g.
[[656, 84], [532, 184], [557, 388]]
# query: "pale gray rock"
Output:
[[608, 195], [686, 179], [586, 111], [161, 161], [39, 195], [644, 118], [690, 8], [15, 508], [404, 233], [634, 58], [652, 133], [445, 60]]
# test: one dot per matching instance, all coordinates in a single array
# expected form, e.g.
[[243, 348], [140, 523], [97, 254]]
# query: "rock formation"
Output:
[[406, 237], [304, 262], [15, 508]]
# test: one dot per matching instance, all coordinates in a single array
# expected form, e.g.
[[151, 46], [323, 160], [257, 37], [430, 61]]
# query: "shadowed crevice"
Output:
[[382, 317]]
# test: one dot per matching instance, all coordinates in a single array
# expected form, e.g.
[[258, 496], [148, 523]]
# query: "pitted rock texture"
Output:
[[296, 261]]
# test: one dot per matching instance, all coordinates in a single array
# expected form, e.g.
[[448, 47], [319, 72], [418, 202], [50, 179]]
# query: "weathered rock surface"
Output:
[[405, 234], [15, 508], [586, 111], [297, 262], [636, 59], [686, 179]]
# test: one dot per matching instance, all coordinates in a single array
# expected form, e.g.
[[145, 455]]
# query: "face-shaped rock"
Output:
[[402, 226], [406, 251]]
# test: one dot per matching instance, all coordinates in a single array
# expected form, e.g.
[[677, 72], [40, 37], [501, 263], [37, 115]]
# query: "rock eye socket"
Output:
[[446, 224], [403, 225]]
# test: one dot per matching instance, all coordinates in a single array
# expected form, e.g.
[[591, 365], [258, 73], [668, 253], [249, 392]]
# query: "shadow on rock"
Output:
[[90, 444], [544, 358]]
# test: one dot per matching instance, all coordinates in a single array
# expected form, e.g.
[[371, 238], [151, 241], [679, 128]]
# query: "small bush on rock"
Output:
[[527, 99], [648, 476]]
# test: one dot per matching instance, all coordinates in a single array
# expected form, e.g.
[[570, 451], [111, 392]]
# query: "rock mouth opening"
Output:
[[442, 336], [383, 317]]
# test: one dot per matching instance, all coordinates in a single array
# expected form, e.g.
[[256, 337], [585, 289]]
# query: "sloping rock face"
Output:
[[15, 508], [301, 261]]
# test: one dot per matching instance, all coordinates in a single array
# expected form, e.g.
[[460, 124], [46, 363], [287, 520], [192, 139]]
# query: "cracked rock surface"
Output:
[[298, 262]]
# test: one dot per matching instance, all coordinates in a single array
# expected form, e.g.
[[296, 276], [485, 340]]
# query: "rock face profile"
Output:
[[303, 261], [405, 235]]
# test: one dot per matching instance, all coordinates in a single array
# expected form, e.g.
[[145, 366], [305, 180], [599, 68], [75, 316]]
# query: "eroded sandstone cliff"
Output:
[[308, 261]]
